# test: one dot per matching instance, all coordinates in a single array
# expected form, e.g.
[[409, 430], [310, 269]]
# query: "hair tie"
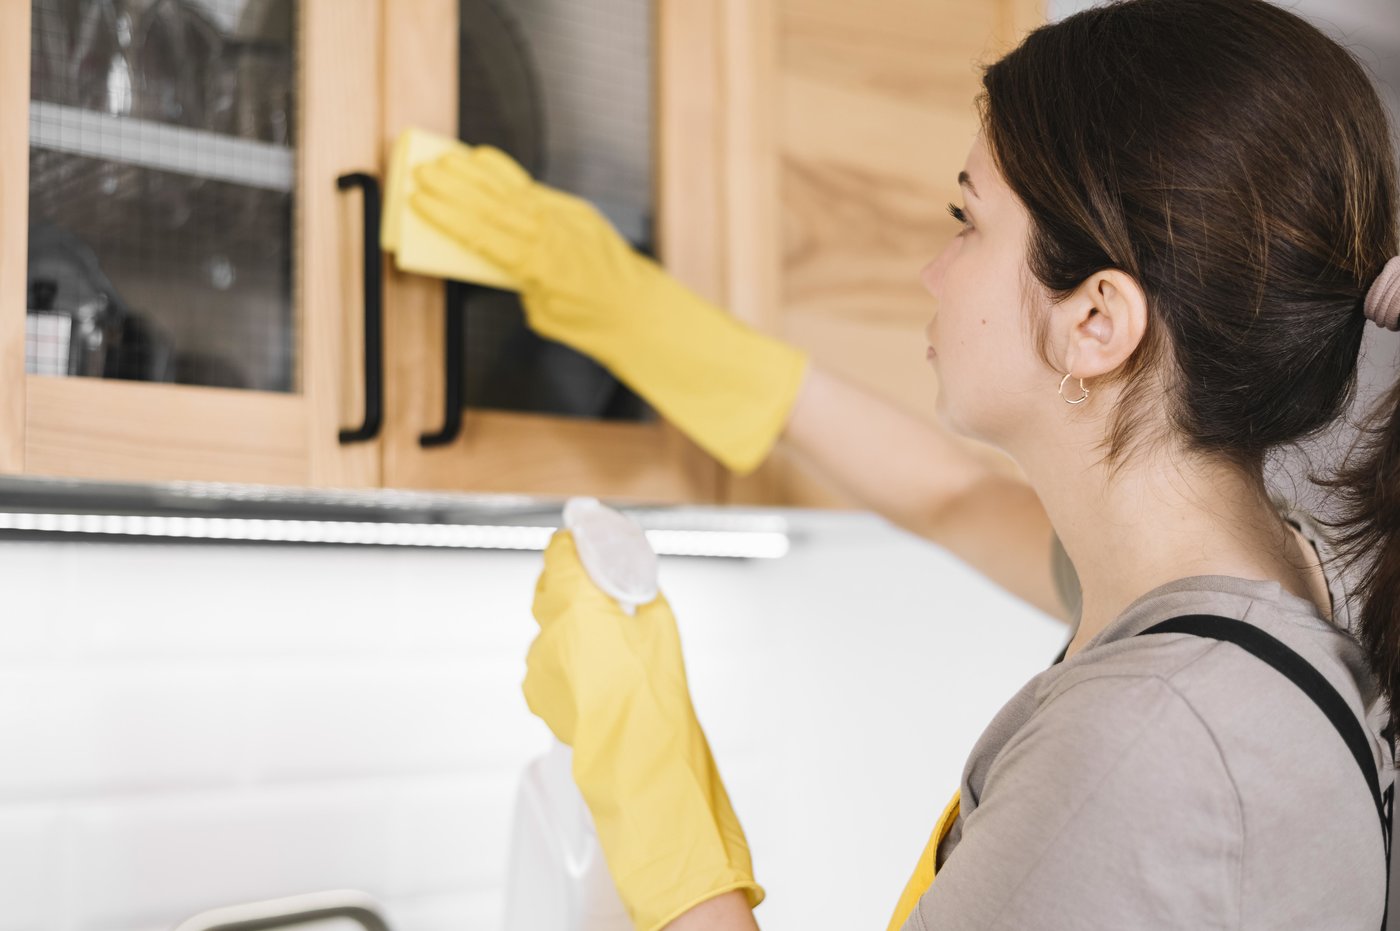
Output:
[[1383, 300]]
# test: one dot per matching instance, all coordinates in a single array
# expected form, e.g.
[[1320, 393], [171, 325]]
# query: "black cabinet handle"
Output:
[[455, 326], [374, 310]]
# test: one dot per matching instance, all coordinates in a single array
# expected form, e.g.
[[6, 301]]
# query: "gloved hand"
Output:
[[726, 386], [614, 688]]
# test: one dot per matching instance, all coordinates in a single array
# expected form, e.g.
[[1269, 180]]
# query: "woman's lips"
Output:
[[930, 354]]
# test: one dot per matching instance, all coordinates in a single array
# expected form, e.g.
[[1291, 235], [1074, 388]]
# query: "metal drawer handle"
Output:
[[290, 910]]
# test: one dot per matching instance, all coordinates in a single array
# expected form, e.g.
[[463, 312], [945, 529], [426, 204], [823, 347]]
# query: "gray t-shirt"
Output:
[[1173, 781]]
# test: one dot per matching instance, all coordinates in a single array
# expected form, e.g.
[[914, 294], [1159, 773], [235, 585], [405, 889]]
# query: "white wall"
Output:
[[192, 726]]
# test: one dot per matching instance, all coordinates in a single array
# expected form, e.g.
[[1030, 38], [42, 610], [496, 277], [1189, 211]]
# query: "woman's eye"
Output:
[[959, 215]]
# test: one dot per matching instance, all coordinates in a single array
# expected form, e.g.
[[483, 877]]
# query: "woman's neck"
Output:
[[1163, 520]]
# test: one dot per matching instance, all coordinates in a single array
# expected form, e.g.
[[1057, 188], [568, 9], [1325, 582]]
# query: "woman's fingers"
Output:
[[477, 200], [496, 245], [487, 167], [503, 170], [563, 582], [548, 691]]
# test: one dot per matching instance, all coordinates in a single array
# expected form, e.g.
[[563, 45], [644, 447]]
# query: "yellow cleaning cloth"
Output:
[[418, 246]]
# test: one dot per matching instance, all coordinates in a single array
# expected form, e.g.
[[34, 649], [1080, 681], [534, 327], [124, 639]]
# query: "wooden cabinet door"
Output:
[[843, 127], [276, 421], [525, 452]]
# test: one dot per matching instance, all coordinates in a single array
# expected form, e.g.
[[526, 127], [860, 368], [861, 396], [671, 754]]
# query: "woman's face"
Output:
[[990, 379]]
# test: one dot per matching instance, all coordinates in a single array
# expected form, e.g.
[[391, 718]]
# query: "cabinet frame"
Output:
[[536, 453], [125, 430]]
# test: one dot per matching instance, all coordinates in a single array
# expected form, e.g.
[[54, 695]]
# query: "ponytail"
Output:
[[1367, 488], [1256, 219]]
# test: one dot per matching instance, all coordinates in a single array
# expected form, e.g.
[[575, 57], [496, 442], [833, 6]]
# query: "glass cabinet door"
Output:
[[189, 290], [580, 92], [161, 192], [565, 87]]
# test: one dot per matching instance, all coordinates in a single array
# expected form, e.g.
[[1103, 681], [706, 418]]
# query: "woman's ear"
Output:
[[1101, 324]]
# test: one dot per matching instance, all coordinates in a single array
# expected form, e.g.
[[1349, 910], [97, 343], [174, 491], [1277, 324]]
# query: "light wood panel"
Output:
[[14, 226], [874, 117], [689, 145], [877, 117], [419, 49], [526, 453], [749, 88], [749, 52], [1016, 18], [539, 454], [121, 430], [341, 113], [919, 50]]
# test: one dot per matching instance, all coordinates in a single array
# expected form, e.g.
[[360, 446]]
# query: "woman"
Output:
[[1179, 216]]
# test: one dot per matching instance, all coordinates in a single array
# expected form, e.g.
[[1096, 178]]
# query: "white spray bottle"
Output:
[[557, 878]]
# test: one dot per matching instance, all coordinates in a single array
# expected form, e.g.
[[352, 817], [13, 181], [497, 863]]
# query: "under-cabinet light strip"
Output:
[[713, 543]]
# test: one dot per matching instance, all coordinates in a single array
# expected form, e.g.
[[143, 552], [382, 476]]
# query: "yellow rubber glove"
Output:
[[725, 385], [614, 688]]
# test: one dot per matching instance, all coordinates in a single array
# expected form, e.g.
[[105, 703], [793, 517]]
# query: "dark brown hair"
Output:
[[1238, 163]]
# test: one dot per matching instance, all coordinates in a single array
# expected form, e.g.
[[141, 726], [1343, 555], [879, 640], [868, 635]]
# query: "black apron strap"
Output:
[[1315, 686]]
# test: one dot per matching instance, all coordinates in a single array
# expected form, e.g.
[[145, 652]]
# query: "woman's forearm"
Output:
[[890, 461], [728, 912], [926, 480]]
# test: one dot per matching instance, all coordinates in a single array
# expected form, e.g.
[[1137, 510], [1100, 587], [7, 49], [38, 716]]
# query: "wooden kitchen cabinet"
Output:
[[803, 151], [847, 125], [365, 70], [533, 452], [196, 216]]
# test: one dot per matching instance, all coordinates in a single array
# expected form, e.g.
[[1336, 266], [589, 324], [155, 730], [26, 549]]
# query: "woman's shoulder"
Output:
[[1192, 754], [1127, 649], [1232, 692], [1243, 702], [1184, 714]]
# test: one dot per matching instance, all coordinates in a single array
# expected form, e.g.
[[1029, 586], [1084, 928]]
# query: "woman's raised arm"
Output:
[[927, 481]]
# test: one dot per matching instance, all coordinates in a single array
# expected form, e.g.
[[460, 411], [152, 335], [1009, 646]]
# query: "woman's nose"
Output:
[[932, 274]]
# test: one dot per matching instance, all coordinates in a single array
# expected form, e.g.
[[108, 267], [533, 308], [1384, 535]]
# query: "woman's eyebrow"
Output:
[[965, 180]]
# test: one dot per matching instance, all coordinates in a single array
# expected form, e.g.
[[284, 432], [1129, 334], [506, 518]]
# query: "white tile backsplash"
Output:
[[185, 727], [33, 843], [88, 729], [140, 860]]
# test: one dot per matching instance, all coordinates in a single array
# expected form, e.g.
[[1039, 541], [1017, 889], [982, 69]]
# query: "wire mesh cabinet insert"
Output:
[[193, 298]]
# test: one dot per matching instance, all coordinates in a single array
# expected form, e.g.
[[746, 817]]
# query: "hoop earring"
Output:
[[1081, 388]]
